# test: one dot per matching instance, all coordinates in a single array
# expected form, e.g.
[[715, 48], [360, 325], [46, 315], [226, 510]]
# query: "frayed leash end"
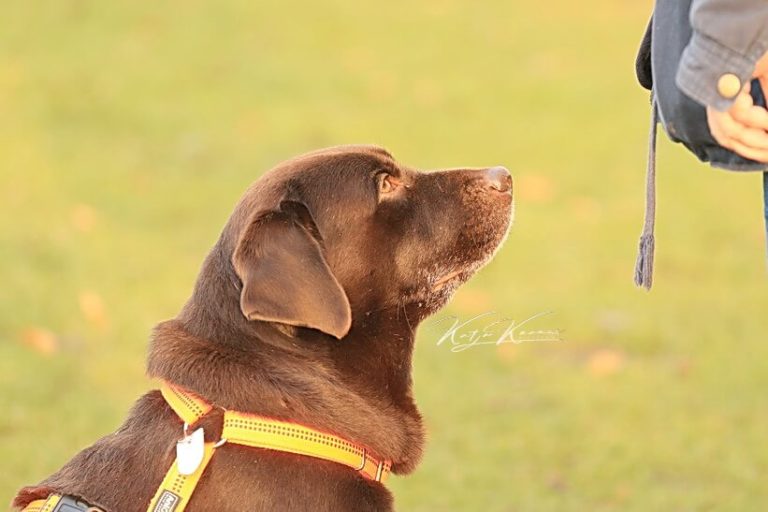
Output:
[[644, 264]]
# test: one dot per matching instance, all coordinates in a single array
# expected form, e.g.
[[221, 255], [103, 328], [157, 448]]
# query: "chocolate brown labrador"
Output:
[[305, 310]]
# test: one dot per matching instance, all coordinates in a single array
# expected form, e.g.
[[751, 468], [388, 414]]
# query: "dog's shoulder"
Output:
[[133, 457]]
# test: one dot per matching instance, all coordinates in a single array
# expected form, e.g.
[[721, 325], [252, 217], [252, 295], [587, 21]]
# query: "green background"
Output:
[[129, 129]]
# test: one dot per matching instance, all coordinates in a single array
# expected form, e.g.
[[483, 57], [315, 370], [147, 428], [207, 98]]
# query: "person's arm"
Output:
[[729, 36]]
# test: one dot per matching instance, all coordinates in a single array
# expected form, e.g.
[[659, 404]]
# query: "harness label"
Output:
[[167, 502]]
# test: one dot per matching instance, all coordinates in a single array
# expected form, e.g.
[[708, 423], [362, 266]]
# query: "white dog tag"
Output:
[[190, 452]]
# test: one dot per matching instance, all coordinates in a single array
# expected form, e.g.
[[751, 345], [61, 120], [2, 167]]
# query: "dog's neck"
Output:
[[358, 387]]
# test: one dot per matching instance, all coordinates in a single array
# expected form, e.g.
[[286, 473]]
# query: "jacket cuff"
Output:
[[702, 64]]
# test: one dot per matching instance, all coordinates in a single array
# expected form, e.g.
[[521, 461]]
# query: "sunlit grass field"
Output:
[[128, 130]]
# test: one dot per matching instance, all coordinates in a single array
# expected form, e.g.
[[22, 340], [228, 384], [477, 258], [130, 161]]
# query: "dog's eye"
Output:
[[387, 183]]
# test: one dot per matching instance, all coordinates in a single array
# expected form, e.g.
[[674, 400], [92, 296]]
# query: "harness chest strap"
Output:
[[46, 505], [177, 487], [60, 503], [258, 432]]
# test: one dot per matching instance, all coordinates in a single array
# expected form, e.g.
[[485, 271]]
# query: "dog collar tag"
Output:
[[190, 452]]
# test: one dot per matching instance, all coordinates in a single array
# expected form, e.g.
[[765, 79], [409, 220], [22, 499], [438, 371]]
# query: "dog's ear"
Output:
[[285, 277]]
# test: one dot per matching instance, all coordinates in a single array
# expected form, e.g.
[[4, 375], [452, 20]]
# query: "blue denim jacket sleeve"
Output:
[[729, 36], [683, 118]]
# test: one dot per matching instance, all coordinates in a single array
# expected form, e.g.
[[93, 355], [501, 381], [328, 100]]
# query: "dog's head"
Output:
[[330, 237]]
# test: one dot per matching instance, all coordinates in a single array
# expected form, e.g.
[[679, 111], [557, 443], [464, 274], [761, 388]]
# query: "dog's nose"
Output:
[[498, 178]]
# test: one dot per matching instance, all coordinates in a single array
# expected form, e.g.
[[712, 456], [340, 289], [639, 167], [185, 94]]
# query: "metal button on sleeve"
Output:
[[728, 85]]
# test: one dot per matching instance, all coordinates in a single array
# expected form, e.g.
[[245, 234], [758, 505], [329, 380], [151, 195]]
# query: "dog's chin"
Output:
[[444, 289], [433, 296], [450, 278], [440, 290]]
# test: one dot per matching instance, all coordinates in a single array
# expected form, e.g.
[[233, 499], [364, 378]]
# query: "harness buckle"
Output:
[[70, 504]]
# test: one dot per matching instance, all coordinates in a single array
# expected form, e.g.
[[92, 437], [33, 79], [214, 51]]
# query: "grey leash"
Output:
[[644, 264]]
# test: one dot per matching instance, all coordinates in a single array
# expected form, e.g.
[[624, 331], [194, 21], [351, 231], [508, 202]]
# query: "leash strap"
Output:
[[644, 263], [174, 493]]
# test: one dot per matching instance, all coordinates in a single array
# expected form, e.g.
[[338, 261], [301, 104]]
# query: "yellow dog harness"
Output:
[[193, 454]]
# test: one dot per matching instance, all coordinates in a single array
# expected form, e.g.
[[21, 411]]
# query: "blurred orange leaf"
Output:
[[605, 362], [507, 351], [534, 188], [83, 218], [40, 340], [92, 308], [472, 300]]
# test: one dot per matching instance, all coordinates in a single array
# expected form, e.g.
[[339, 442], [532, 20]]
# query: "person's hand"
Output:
[[744, 127], [761, 72]]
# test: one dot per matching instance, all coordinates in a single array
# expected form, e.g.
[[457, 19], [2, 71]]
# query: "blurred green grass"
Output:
[[130, 129]]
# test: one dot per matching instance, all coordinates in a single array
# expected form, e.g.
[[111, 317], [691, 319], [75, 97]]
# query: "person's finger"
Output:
[[745, 112], [733, 134], [714, 120], [748, 142], [747, 152], [761, 66], [746, 90], [752, 137], [727, 127], [752, 116], [743, 100]]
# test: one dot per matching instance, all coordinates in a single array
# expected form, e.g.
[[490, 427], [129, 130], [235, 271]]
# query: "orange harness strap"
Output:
[[46, 505], [255, 431], [176, 488], [193, 454], [60, 503]]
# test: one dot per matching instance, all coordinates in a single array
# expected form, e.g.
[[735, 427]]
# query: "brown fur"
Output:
[[305, 310]]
